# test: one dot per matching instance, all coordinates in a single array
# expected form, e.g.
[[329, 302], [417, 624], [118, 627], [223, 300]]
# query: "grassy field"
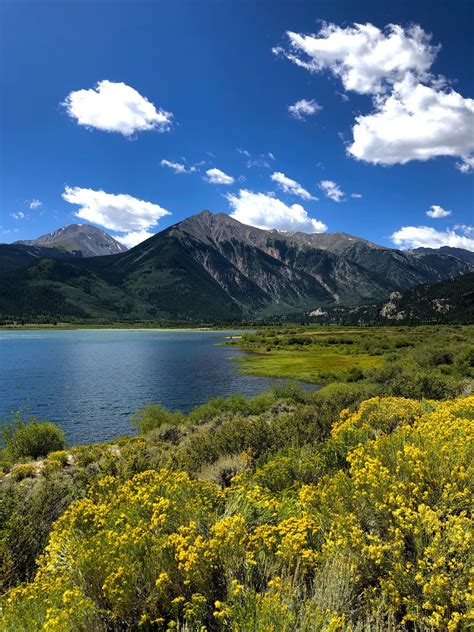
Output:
[[308, 366], [325, 354]]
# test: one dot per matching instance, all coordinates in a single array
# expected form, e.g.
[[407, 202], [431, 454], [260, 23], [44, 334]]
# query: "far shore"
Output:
[[124, 326]]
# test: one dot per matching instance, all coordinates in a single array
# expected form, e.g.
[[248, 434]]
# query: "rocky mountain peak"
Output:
[[87, 240]]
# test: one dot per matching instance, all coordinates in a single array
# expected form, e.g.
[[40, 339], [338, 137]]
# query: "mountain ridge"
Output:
[[212, 267]]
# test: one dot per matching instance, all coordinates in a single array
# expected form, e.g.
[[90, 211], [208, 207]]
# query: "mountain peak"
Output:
[[85, 239]]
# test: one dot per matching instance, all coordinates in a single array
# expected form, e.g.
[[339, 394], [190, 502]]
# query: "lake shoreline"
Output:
[[126, 327]]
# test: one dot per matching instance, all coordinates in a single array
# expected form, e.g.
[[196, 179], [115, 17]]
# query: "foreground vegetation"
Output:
[[337, 509]]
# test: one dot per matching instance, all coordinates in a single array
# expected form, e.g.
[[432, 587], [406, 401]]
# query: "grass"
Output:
[[308, 365]]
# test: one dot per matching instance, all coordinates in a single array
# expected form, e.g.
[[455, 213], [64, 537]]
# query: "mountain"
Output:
[[82, 239], [211, 267]]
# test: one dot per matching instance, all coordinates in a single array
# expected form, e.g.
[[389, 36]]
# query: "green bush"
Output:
[[153, 417], [34, 439], [27, 512]]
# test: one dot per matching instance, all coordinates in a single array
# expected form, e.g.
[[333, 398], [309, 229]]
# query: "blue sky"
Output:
[[220, 77]]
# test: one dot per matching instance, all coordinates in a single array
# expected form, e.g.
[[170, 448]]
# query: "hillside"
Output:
[[16, 256], [211, 267], [84, 239], [450, 301]]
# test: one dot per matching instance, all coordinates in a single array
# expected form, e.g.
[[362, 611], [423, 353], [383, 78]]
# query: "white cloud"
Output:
[[466, 165], [304, 108], [425, 236], [414, 117], [35, 204], [117, 212], [18, 215], [265, 211], [416, 122], [291, 186], [133, 238], [465, 228], [363, 56], [177, 167], [436, 212], [116, 107], [216, 176], [356, 196], [332, 190]]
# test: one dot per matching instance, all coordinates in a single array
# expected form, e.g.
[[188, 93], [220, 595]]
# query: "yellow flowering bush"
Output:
[[403, 511], [22, 471], [380, 537]]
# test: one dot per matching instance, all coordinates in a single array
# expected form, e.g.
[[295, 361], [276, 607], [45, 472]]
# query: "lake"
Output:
[[90, 381]]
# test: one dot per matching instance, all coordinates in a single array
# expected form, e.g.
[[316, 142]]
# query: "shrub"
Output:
[[224, 469], [382, 544], [27, 513], [154, 416], [60, 455], [22, 471], [407, 380], [33, 439]]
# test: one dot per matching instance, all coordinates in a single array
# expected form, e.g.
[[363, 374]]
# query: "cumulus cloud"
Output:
[[414, 117], [331, 190], [436, 212], [356, 196], [133, 238], [304, 108], [118, 212], [363, 56], [425, 236], [35, 204], [19, 215], [177, 167], [416, 122], [116, 107], [266, 211], [291, 186], [216, 176]]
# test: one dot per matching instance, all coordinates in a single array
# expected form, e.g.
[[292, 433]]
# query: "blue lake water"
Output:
[[91, 381]]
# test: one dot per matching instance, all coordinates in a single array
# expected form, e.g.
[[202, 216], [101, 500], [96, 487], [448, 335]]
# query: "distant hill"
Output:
[[450, 301], [460, 253], [14, 256], [211, 267], [83, 239]]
